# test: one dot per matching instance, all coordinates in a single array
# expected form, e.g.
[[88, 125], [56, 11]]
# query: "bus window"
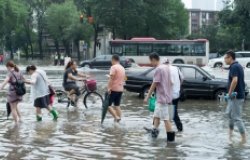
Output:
[[145, 49], [117, 49], [130, 50], [199, 49], [161, 49], [187, 49], [174, 50]]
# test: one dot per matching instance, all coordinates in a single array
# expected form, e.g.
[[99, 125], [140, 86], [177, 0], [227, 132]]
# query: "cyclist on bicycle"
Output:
[[70, 77]]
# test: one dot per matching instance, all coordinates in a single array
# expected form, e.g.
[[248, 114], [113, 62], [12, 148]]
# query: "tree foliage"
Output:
[[128, 18], [63, 24], [13, 18]]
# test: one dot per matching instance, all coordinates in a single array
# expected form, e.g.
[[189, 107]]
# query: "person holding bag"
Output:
[[40, 92], [162, 83], [14, 77]]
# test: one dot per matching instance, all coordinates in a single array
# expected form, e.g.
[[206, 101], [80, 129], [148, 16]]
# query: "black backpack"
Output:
[[19, 86]]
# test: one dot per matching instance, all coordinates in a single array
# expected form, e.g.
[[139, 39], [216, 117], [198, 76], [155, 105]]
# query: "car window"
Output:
[[191, 73], [100, 58], [247, 55], [238, 55], [108, 57]]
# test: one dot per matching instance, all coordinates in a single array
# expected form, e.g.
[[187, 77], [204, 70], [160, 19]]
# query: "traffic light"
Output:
[[81, 18], [91, 20]]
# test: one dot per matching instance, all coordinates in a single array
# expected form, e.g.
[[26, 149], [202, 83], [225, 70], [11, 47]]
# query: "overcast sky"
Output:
[[187, 3], [204, 4]]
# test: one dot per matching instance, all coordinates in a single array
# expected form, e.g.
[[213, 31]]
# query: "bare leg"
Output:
[[71, 95], [14, 112], [168, 126], [18, 112], [38, 114], [49, 108], [118, 111], [230, 135], [156, 122], [155, 131], [38, 111], [243, 138], [113, 112]]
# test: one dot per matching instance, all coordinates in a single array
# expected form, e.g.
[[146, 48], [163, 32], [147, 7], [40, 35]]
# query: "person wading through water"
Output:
[[12, 98], [162, 83], [236, 84], [40, 93]]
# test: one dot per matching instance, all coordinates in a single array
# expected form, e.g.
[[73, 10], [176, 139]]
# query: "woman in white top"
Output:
[[40, 91]]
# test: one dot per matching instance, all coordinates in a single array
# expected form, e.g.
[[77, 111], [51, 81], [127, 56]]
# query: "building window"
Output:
[[211, 15], [204, 15], [194, 14]]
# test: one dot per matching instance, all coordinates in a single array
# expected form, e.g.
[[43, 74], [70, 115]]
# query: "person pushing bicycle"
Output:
[[70, 77]]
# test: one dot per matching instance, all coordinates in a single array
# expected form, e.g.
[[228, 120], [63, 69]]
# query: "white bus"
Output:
[[177, 51]]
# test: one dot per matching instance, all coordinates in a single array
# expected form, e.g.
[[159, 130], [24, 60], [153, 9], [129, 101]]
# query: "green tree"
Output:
[[13, 19], [128, 18], [64, 26]]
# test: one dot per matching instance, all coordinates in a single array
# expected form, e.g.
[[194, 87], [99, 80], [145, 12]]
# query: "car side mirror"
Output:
[[204, 78]]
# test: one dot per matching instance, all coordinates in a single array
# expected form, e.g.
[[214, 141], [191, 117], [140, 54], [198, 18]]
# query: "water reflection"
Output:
[[79, 135]]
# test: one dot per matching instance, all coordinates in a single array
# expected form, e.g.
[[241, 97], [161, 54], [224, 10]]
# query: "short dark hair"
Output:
[[115, 57], [231, 53], [154, 56], [30, 68]]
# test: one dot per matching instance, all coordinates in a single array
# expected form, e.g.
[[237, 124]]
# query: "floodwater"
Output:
[[78, 133]]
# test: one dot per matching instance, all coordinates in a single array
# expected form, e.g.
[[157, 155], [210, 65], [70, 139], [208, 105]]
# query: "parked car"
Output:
[[197, 82], [104, 62], [214, 55], [243, 57]]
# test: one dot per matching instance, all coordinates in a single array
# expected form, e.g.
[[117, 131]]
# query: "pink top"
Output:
[[118, 76], [164, 84]]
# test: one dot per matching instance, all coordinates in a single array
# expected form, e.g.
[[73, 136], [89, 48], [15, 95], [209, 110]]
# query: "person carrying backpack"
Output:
[[15, 92]]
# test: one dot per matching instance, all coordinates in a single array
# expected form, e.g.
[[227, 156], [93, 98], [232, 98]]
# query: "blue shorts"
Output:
[[115, 98]]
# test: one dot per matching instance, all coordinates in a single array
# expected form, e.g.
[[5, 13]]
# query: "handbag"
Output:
[[51, 91], [151, 103]]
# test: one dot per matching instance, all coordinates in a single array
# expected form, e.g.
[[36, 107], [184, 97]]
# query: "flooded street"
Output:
[[78, 133]]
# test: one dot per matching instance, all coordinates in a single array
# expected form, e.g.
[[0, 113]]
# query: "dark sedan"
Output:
[[104, 62], [197, 82]]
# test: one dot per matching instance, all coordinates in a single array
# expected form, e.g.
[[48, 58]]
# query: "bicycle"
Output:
[[91, 96]]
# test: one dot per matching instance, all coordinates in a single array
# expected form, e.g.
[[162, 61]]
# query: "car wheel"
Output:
[[219, 93], [217, 65], [131, 60], [144, 93], [248, 65], [87, 66], [178, 62]]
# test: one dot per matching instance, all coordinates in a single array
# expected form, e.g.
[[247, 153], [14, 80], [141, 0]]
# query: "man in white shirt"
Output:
[[177, 79]]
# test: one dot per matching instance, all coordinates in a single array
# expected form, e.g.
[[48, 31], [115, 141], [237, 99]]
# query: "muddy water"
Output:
[[78, 134]]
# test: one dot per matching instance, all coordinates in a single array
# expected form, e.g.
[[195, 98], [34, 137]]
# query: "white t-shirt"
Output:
[[176, 78], [39, 88]]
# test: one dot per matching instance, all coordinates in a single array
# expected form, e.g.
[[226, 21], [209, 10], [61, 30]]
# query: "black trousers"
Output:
[[177, 119]]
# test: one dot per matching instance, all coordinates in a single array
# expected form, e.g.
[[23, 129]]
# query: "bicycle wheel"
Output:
[[92, 99], [62, 97]]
